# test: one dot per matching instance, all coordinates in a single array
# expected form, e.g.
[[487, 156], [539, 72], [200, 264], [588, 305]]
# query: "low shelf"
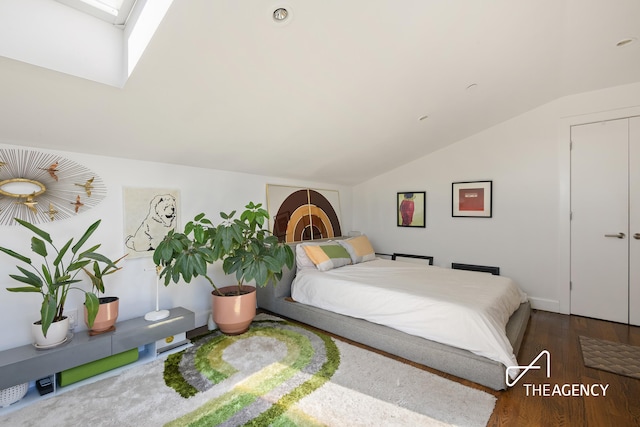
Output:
[[28, 364]]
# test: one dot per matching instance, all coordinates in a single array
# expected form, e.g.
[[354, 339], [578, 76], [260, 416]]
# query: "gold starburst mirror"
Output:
[[40, 187]]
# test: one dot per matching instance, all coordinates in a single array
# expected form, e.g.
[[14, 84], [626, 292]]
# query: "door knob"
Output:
[[636, 236], [620, 235]]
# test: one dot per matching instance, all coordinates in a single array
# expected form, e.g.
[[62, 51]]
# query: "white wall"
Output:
[[527, 158], [201, 190]]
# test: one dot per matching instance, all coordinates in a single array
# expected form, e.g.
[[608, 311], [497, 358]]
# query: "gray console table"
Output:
[[25, 364]]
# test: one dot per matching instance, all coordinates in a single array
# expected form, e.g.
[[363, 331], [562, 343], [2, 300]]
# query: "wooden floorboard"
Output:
[[558, 333]]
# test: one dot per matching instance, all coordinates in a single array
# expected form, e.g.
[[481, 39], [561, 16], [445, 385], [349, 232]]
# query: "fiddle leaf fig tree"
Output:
[[56, 275], [244, 246]]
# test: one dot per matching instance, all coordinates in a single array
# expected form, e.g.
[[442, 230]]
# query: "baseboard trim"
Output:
[[545, 304]]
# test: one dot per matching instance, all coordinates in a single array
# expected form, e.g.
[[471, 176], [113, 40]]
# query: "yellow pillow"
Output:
[[359, 249]]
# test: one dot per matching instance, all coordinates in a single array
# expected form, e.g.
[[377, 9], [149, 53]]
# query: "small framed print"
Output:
[[472, 199], [411, 209], [149, 214]]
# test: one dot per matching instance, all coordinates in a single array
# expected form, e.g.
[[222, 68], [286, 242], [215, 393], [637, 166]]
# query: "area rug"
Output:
[[621, 359], [277, 373]]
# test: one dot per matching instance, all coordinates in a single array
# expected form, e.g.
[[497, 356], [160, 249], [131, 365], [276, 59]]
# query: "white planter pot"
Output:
[[56, 334]]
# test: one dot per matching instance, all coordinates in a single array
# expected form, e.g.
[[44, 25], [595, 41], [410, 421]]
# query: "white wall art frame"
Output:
[[149, 214]]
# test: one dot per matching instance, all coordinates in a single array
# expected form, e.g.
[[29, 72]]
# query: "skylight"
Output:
[[114, 35], [112, 11]]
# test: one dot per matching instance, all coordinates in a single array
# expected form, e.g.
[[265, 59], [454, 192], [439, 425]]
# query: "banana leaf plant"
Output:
[[244, 246], [56, 275]]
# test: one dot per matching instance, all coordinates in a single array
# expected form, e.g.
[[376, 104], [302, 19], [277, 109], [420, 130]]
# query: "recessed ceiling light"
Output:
[[280, 14], [626, 42]]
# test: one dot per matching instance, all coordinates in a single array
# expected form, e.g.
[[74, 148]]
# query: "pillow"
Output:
[[302, 260], [327, 256], [359, 249]]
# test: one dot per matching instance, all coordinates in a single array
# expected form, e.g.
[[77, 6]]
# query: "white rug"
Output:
[[367, 389]]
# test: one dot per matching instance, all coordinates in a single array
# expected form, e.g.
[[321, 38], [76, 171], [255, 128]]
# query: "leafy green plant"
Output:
[[56, 276], [97, 273], [246, 249]]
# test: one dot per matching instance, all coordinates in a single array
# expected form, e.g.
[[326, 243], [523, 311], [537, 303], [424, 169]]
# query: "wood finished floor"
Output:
[[558, 334]]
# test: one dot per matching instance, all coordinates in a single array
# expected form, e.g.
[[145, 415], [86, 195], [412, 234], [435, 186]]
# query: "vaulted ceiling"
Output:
[[335, 93]]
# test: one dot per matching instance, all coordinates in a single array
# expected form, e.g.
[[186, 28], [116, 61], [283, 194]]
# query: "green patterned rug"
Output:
[[277, 373], [284, 363]]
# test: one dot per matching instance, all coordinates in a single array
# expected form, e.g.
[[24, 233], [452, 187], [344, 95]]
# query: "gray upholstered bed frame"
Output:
[[454, 361]]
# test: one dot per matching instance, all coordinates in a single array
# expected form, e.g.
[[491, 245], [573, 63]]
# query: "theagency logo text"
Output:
[[549, 389]]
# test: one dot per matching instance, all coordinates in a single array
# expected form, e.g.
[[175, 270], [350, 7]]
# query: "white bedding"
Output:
[[463, 309]]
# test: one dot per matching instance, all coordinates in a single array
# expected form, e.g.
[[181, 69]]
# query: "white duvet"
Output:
[[463, 309]]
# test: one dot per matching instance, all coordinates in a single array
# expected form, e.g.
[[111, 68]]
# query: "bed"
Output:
[[478, 347]]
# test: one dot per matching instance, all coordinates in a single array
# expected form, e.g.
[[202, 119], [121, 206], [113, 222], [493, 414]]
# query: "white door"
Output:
[[634, 221], [600, 220]]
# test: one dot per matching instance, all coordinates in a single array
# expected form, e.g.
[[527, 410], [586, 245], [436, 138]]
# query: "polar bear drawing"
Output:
[[160, 219]]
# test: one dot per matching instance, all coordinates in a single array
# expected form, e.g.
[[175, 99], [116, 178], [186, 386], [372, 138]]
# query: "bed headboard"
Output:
[[270, 295], [282, 288]]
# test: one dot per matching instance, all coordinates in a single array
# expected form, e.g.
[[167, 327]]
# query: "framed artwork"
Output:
[[472, 199], [298, 213], [411, 209], [149, 214]]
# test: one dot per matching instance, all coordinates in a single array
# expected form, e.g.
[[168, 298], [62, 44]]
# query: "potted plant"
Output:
[[54, 278], [108, 307], [245, 248]]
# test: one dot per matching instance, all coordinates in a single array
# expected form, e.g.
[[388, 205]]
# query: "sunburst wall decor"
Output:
[[40, 187]]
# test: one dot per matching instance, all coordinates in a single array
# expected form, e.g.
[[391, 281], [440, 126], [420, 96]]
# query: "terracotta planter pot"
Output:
[[107, 314], [234, 314], [56, 334]]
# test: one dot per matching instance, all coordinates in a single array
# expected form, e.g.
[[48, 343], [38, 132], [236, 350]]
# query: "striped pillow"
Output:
[[326, 257], [359, 249]]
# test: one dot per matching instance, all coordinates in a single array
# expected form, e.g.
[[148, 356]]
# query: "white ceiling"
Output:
[[333, 95]]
